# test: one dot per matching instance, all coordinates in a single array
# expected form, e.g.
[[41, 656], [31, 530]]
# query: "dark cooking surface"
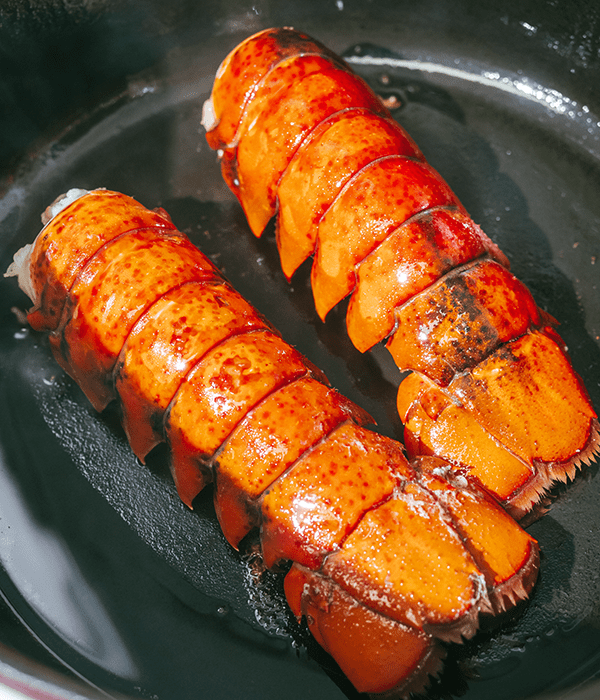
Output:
[[100, 560]]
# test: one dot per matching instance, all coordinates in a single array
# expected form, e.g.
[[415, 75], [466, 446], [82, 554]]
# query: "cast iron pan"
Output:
[[111, 587]]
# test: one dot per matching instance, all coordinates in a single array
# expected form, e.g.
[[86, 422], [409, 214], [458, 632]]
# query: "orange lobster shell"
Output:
[[492, 390], [388, 558]]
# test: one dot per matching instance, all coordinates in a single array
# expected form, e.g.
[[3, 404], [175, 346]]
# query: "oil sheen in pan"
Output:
[[142, 597]]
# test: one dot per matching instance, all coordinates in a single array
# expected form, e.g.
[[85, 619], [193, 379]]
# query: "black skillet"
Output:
[[109, 585]]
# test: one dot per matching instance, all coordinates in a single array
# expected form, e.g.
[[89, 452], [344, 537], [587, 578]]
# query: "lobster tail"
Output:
[[348, 186], [508, 429], [389, 558], [401, 657]]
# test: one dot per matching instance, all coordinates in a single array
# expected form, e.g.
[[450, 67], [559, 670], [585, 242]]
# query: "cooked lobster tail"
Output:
[[388, 558], [493, 391]]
